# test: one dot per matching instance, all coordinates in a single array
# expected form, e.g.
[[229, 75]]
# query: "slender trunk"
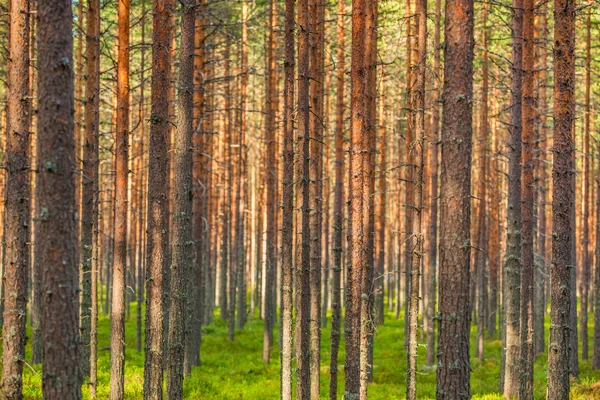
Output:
[[512, 266], [417, 122], [56, 202], [16, 216], [316, 26], [243, 177], [117, 326], [338, 217], [563, 200], [271, 174], [455, 192], [527, 263], [157, 211], [90, 185], [303, 266], [481, 254], [287, 217], [195, 290], [182, 204], [430, 277], [141, 190]]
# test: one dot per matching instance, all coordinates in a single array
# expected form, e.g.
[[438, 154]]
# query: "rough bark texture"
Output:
[[16, 215], [563, 203], [61, 374], [453, 370], [182, 204], [287, 216], [117, 320], [356, 237], [90, 186], [417, 151], [431, 269], [157, 212], [271, 180], [303, 266], [316, 43], [527, 262], [512, 264], [336, 300], [481, 254], [195, 286]]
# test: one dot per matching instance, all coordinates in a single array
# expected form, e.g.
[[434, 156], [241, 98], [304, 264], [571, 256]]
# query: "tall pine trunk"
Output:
[[563, 201], [527, 261], [55, 198], [117, 326], [455, 192], [157, 211], [512, 264], [16, 216], [90, 186]]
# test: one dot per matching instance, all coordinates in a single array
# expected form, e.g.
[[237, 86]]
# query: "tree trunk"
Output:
[[481, 254], [117, 326], [16, 216], [56, 201], [527, 262], [432, 239], [316, 56], [182, 204], [338, 217], [417, 153], [157, 212], [512, 266], [563, 200], [271, 180], [455, 192], [90, 188], [303, 262], [287, 217]]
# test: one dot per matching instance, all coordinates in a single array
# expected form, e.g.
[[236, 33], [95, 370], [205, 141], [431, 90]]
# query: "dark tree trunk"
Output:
[[16, 216], [157, 212], [303, 262], [563, 201], [432, 238], [512, 266], [182, 204], [481, 254], [455, 192], [287, 217], [338, 218], [90, 189], [56, 202], [316, 54], [271, 180], [527, 262]]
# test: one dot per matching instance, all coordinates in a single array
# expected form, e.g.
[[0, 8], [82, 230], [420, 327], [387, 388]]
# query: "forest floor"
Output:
[[236, 371]]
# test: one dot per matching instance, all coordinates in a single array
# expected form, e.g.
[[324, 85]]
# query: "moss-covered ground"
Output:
[[234, 370]]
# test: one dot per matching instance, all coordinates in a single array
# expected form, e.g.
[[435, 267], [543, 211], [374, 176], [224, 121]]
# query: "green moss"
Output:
[[236, 371]]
